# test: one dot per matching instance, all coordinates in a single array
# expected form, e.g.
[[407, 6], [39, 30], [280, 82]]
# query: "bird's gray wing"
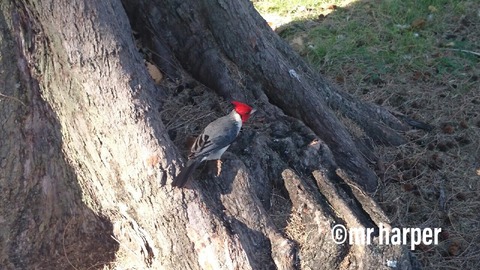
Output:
[[217, 135]]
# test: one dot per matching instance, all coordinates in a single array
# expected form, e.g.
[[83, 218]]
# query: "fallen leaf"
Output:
[[418, 23], [408, 187], [432, 9], [155, 73], [454, 249], [332, 7], [340, 79], [448, 128]]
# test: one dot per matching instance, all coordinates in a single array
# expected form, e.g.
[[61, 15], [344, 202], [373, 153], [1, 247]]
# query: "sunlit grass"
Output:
[[279, 12], [377, 36]]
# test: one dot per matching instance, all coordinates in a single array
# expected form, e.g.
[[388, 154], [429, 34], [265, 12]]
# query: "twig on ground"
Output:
[[464, 51], [14, 98]]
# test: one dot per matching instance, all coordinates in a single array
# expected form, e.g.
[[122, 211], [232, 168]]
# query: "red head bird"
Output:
[[243, 110], [214, 140]]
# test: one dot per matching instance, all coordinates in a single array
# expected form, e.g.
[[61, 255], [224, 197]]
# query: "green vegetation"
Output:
[[377, 36]]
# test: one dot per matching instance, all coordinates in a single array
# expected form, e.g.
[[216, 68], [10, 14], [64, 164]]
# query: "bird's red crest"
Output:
[[243, 109]]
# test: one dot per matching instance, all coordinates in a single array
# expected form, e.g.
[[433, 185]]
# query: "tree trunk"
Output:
[[91, 143]]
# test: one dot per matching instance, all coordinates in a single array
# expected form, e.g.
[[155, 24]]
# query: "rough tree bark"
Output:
[[86, 161]]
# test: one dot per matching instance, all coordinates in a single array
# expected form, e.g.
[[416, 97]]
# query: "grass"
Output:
[[406, 55], [384, 37]]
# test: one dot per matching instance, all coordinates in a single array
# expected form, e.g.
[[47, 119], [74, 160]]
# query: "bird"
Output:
[[214, 140]]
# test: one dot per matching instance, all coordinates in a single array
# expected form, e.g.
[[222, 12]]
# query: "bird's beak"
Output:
[[253, 111]]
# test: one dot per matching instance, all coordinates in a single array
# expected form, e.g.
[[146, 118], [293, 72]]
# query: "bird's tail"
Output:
[[182, 178]]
